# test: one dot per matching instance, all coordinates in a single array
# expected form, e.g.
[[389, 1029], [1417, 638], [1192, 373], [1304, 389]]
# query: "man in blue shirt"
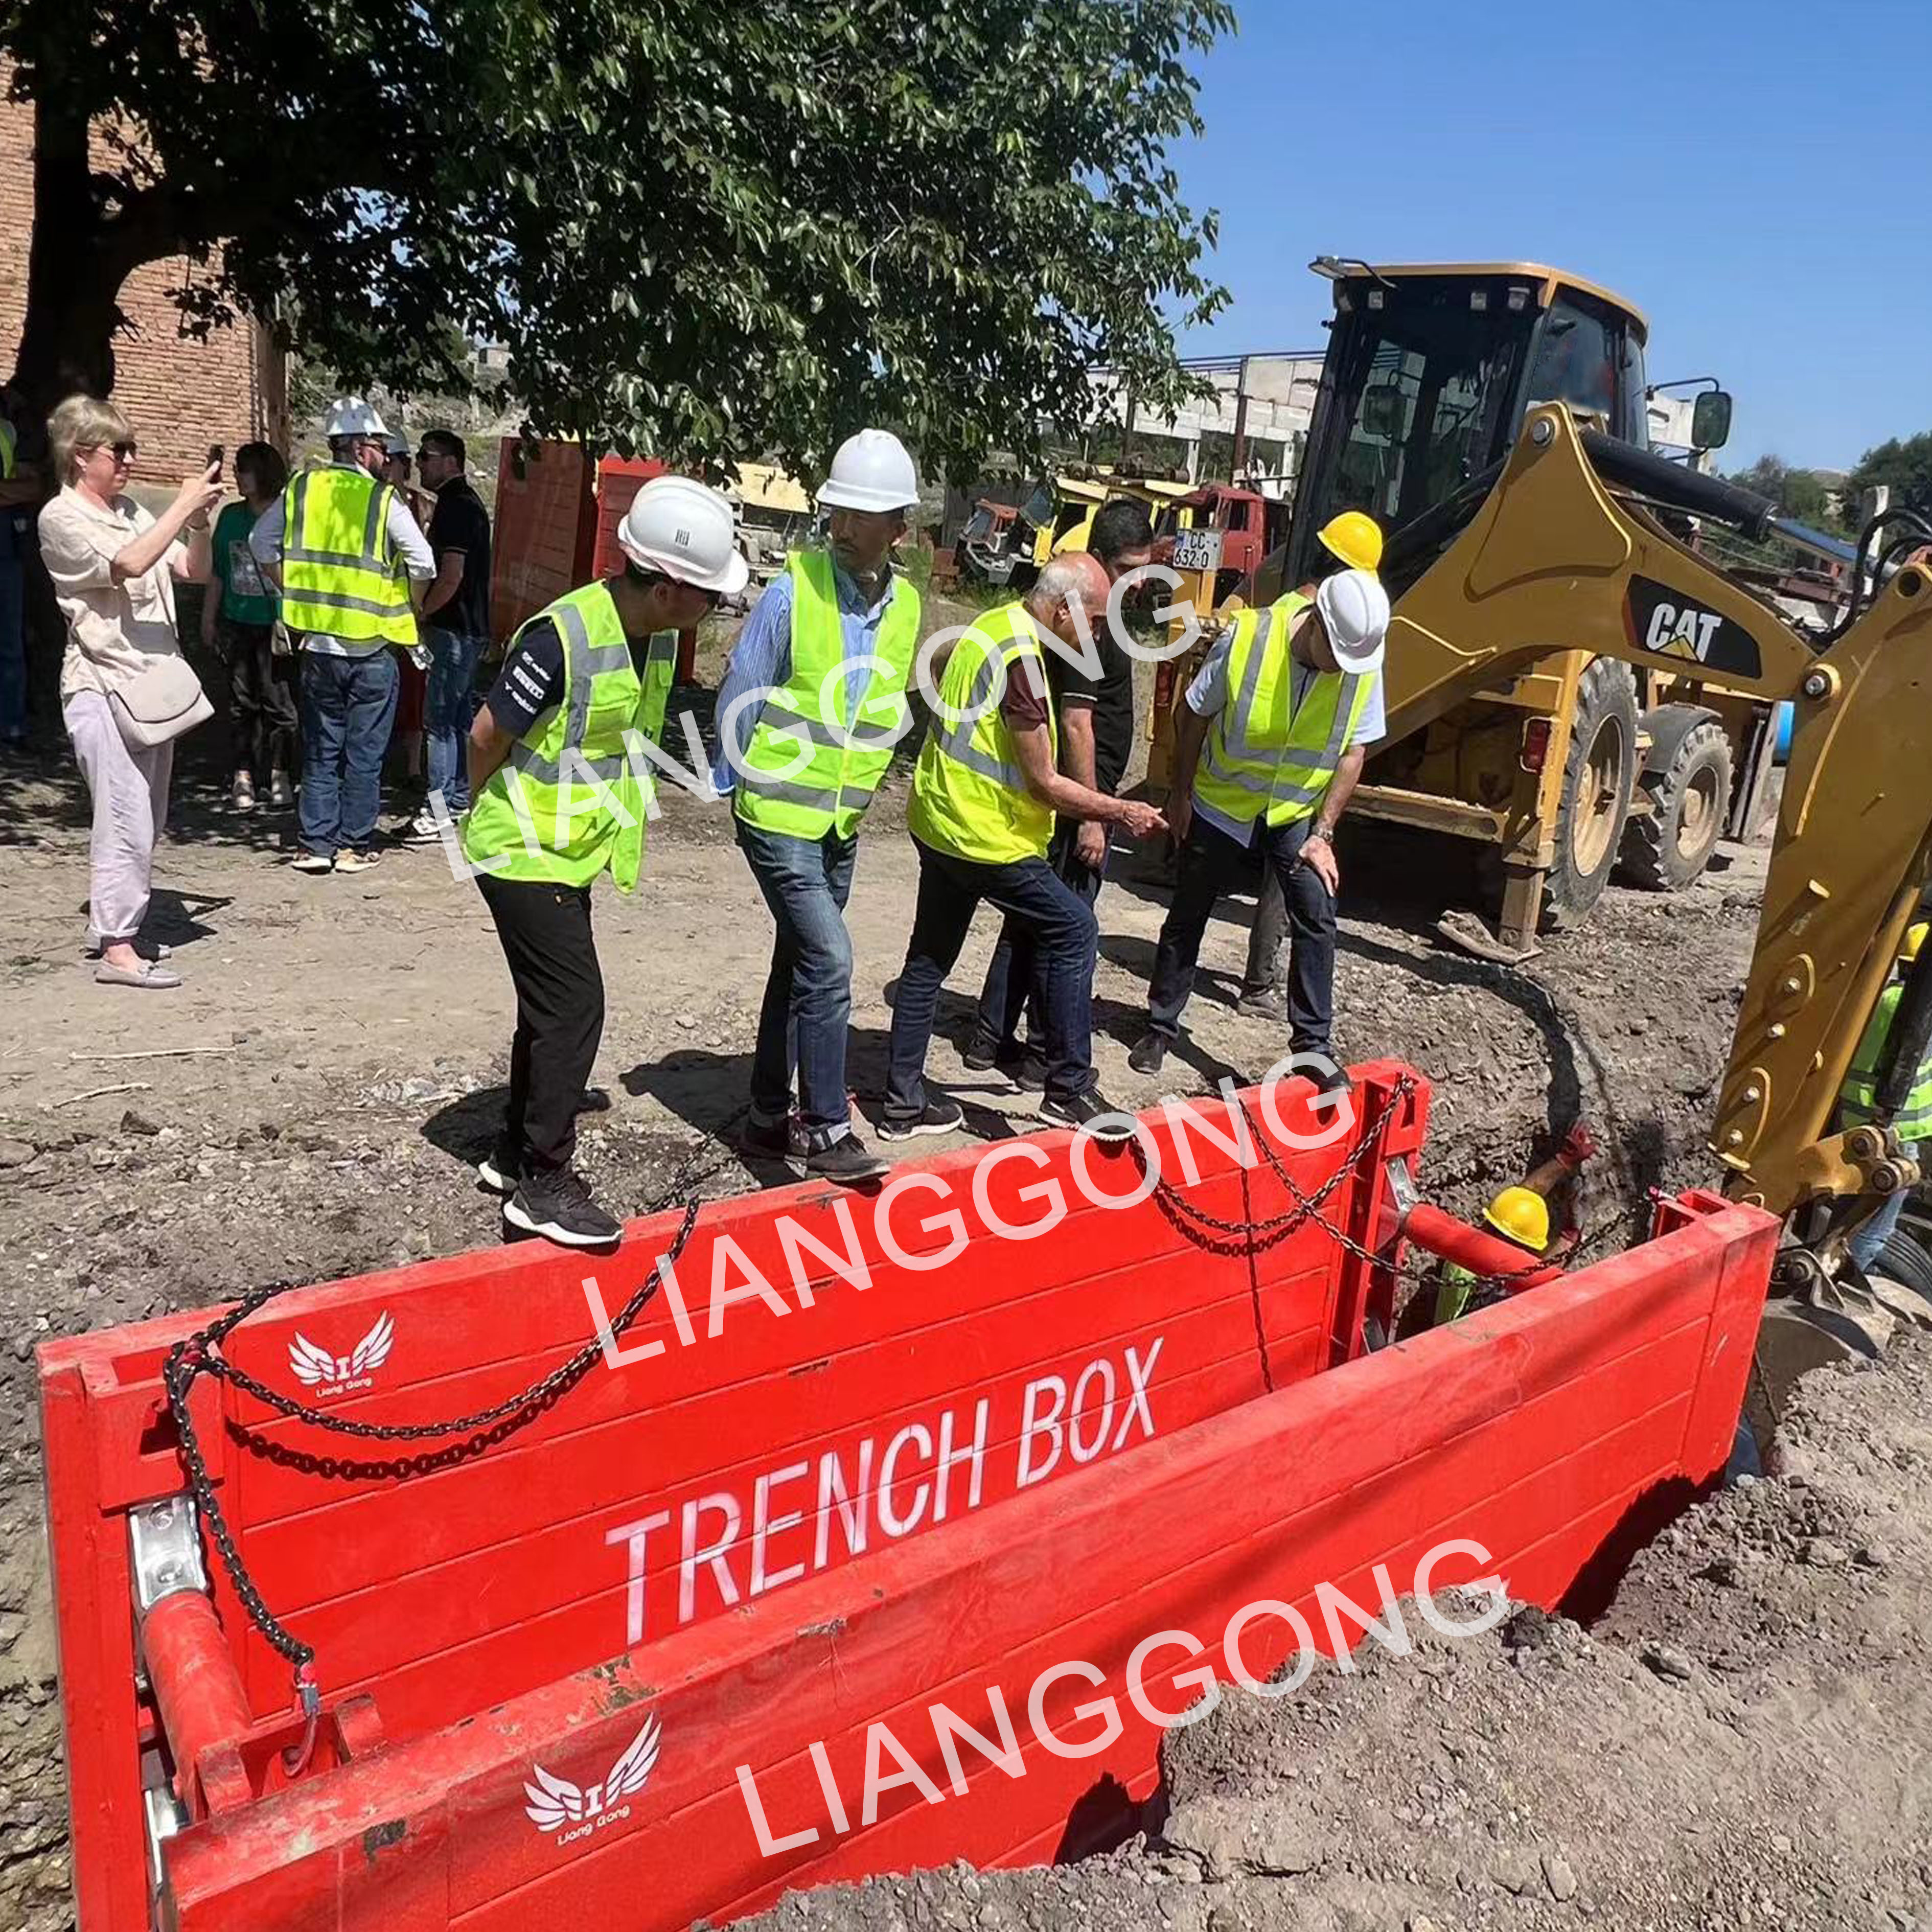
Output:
[[821, 663]]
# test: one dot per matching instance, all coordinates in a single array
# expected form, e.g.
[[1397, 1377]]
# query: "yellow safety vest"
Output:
[[8, 444], [572, 797], [1857, 1096], [339, 571], [968, 796], [848, 758], [1264, 753]]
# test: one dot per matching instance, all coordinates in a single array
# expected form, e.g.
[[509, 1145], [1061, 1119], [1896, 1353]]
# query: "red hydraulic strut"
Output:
[[1480, 1253]]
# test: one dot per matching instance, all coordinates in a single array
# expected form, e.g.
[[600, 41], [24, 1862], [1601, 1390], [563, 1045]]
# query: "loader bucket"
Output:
[[837, 1561]]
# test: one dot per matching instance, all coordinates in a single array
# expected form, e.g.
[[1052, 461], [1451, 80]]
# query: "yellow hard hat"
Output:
[[1356, 537], [1915, 938], [1523, 1215]]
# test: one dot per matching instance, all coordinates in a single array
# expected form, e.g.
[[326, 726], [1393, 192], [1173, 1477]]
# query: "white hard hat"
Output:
[[1355, 611], [352, 416], [397, 445], [676, 526], [872, 471]]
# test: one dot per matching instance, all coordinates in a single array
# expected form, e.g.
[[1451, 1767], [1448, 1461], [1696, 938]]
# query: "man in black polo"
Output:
[[456, 621], [1094, 704]]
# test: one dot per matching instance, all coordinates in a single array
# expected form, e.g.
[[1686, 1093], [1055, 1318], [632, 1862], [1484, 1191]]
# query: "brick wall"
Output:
[[180, 394]]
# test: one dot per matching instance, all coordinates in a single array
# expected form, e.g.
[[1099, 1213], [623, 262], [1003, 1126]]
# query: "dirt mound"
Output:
[[1739, 1743]]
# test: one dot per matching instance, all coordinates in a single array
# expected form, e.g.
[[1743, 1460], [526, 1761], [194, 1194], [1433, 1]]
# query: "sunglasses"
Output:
[[124, 452]]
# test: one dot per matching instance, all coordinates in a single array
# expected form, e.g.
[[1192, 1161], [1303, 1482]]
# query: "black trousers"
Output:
[[1210, 862], [262, 689], [545, 930]]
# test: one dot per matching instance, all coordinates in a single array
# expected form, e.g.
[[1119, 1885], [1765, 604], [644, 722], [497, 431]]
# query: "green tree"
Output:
[[1905, 465], [1801, 494], [703, 228]]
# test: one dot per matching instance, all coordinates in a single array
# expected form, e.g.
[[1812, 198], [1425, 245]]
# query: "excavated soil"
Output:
[[1741, 1742], [305, 1107]]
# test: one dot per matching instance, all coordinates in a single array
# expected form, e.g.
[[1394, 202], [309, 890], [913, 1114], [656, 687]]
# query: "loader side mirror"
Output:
[[1710, 420]]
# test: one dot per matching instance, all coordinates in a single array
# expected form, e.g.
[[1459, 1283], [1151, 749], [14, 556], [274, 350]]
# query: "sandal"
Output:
[[152, 978]]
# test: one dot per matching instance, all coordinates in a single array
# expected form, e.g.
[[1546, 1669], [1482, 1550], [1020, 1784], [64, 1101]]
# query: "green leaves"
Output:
[[714, 231]]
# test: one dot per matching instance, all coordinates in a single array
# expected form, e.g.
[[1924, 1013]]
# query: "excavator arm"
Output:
[[1553, 560]]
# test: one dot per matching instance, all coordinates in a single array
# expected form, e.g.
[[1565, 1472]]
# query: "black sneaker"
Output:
[[501, 1169], [848, 1161], [556, 1204], [942, 1116], [768, 1140], [1262, 1002], [982, 1056], [1335, 1080], [1149, 1051], [1089, 1111]]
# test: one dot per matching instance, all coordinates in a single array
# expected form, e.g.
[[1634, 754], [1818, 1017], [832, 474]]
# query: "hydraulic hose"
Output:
[[1903, 1052]]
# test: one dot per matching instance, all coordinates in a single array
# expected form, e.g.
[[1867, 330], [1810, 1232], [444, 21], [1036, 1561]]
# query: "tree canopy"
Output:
[[1904, 464], [1800, 493], [701, 228]]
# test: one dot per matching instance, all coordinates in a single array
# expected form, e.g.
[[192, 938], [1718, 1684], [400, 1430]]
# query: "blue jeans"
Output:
[[807, 1012], [1011, 986], [348, 705], [1864, 1246], [448, 708], [1065, 936], [13, 647]]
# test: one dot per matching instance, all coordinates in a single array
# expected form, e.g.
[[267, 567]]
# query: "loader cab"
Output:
[[1429, 372]]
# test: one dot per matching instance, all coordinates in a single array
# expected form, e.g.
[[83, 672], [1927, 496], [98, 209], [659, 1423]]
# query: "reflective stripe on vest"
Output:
[[1264, 752], [1858, 1097], [572, 798], [357, 594], [845, 758], [969, 796]]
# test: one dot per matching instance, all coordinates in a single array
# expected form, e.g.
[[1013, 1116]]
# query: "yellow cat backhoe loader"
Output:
[[1569, 537]]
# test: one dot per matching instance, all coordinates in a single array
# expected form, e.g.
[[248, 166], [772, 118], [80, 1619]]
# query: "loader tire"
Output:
[[1598, 775], [1666, 847], [1903, 1260]]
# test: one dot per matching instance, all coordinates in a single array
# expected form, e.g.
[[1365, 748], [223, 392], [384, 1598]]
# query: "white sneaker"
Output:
[[280, 792], [306, 861], [346, 861], [241, 794], [423, 829]]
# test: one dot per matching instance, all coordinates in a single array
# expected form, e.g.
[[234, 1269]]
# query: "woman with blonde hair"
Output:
[[114, 569]]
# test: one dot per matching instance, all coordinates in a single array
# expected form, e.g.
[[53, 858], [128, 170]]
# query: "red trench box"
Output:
[[869, 1460]]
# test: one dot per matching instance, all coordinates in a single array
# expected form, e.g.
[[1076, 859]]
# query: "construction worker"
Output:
[[331, 544], [1520, 1214], [1093, 707], [562, 791], [1354, 541], [1284, 703], [1912, 1124], [811, 703], [984, 794]]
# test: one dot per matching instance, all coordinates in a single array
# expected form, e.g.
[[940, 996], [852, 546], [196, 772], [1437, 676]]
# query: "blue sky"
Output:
[[1756, 178]]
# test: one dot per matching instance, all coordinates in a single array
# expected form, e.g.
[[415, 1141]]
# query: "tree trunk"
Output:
[[74, 271]]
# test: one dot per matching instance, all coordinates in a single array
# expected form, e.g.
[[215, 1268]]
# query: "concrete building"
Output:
[[1266, 398], [180, 394]]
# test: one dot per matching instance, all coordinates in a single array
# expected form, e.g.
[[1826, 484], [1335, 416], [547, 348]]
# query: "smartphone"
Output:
[[215, 456]]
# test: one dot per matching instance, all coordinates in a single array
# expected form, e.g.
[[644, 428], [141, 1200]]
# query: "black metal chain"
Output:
[[1254, 1236], [200, 1354]]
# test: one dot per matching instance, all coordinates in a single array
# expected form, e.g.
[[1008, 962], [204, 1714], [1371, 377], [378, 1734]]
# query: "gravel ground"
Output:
[[348, 1042]]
